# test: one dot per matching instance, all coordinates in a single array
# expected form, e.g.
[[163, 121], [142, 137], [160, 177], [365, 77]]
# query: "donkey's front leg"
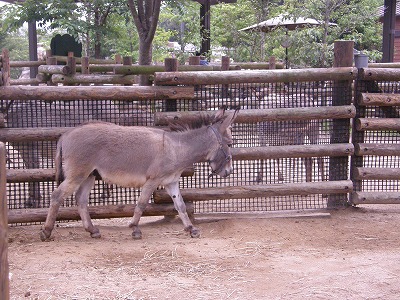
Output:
[[141, 204], [173, 190]]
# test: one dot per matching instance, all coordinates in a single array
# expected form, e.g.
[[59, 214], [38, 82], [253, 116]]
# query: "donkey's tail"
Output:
[[58, 163]]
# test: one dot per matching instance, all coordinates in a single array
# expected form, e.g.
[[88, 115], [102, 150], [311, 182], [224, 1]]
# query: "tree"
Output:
[[145, 14], [87, 19]]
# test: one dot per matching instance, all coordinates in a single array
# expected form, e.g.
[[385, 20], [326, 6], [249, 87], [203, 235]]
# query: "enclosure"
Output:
[[304, 140]]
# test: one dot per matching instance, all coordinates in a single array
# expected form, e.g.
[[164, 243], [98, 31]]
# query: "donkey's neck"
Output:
[[194, 145]]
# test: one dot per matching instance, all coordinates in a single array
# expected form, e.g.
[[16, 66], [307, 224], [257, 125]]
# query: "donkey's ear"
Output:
[[228, 118], [220, 113]]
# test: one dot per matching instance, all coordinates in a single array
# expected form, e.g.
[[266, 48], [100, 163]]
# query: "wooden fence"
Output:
[[375, 165], [289, 105]]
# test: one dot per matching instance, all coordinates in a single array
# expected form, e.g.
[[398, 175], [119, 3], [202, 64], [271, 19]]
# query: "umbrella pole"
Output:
[[286, 59], [286, 49]]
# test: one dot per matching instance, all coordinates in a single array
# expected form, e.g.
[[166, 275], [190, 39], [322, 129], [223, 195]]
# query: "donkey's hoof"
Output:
[[136, 235], [195, 232], [44, 236], [95, 235]]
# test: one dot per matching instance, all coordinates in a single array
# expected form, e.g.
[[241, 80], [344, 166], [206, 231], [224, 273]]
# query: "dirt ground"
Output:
[[344, 254]]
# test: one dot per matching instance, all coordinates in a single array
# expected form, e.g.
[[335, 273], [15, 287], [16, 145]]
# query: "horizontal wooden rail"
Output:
[[55, 69], [292, 151], [90, 78], [369, 99], [27, 81], [375, 198], [363, 124], [97, 61], [32, 134], [267, 115], [136, 69], [45, 175], [384, 65], [377, 149], [261, 76], [256, 65], [121, 93], [379, 74], [22, 64], [361, 173], [96, 212], [252, 191]]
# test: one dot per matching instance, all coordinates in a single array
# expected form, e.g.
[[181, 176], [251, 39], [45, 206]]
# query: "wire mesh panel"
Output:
[[269, 133]]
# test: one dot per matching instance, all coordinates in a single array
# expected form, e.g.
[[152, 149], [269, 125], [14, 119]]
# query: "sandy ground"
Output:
[[349, 254]]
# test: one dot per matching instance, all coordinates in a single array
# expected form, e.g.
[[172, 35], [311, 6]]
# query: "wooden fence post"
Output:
[[4, 280], [342, 95], [225, 64], [171, 65]]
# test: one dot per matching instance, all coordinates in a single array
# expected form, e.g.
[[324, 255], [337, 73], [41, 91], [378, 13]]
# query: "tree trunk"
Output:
[[145, 58]]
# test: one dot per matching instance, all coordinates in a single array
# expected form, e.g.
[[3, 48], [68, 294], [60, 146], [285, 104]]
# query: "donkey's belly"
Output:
[[123, 179]]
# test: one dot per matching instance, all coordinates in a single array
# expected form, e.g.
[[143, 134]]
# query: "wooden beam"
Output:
[[32, 134], [55, 69], [379, 74], [382, 149], [375, 198], [4, 276], [90, 78], [377, 124], [292, 151], [150, 70], [261, 76], [96, 212], [267, 115], [361, 173], [369, 99], [252, 191], [120, 93], [46, 175]]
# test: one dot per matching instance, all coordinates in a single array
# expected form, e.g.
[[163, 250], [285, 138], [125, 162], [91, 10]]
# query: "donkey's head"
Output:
[[220, 157]]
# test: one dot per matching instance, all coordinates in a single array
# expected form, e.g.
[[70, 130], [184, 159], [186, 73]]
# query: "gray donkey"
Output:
[[138, 157]]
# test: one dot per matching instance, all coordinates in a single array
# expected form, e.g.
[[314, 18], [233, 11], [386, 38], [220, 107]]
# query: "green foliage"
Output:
[[114, 31]]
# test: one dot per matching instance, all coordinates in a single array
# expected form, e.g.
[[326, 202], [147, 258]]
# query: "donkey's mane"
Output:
[[190, 123]]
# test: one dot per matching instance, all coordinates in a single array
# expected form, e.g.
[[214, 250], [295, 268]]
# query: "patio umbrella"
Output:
[[287, 22]]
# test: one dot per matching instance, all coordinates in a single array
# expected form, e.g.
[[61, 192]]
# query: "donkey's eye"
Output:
[[230, 145]]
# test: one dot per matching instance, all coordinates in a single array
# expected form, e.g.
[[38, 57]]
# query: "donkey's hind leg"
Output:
[[82, 199], [65, 189], [173, 190]]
